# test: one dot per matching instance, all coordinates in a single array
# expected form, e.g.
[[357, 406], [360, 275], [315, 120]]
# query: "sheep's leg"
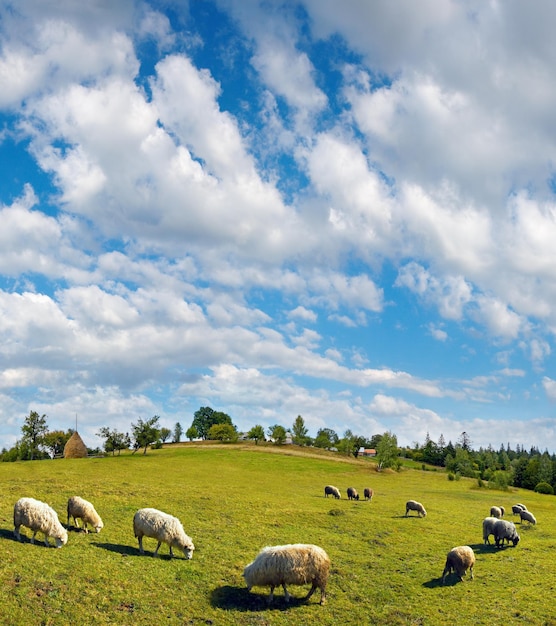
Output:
[[46, 540], [157, 548], [33, 537], [322, 595], [140, 539], [311, 591], [286, 594], [271, 596], [16, 533], [171, 553], [471, 572]]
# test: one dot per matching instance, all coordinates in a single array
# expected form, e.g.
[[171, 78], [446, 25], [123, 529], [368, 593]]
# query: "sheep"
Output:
[[505, 530], [413, 505], [502, 510], [488, 528], [368, 493], [517, 508], [496, 511], [329, 490], [38, 515], [460, 560], [80, 508], [527, 515], [352, 493], [296, 564], [163, 527], [522, 506]]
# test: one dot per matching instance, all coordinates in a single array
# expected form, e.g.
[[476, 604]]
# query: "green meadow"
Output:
[[234, 500]]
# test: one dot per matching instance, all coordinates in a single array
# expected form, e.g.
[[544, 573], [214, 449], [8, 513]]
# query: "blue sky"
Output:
[[343, 211]]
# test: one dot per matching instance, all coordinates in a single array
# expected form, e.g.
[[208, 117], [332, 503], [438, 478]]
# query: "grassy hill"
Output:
[[233, 500]]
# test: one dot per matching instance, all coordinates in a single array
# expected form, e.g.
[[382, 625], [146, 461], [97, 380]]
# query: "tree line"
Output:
[[502, 468]]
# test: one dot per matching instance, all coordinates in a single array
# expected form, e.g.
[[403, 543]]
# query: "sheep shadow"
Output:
[[124, 550], [229, 598], [39, 539], [118, 548], [451, 580]]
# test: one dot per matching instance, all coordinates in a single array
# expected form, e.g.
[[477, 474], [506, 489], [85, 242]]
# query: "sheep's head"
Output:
[[188, 548]]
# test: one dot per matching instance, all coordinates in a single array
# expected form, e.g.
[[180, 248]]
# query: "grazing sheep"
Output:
[[488, 528], [368, 493], [296, 564], [329, 490], [496, 511], [517, 508], [163, 527], [505, 530], [80, 508], [460, 560], [37, 515], [352, 493], [522, 506], [413, 505], [527, 515]]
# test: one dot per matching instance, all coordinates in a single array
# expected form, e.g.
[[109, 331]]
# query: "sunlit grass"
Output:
[[233, 500]]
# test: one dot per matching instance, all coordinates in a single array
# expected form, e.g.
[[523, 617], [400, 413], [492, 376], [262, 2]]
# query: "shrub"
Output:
[[451, 476], [544, 488]]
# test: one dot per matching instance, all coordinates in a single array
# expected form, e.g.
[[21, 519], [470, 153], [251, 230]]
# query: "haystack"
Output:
[[75, 448]]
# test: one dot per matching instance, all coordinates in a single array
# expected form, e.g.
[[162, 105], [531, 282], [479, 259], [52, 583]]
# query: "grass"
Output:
[[233, 500]]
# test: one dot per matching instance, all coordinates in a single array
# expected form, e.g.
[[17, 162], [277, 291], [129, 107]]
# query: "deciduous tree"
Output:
[[145, 433]]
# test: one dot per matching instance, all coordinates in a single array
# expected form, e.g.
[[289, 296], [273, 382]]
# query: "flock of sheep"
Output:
[[462, 558], [294, 564]]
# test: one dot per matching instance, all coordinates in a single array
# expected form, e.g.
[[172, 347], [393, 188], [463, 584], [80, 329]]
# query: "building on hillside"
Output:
[[367, 452]]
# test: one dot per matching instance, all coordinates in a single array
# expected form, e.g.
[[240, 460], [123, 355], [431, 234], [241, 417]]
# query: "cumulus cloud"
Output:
[[286, 215]]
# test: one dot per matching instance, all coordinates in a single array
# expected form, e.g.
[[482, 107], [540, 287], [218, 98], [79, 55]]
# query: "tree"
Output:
[[205, 417], [223, 432], [326, 438], [256, 433], [299, 432], [387, 450], [34, 429], [145, 433], [114, 440], [164, 433], [178, 432], [277, 434], [55, 440], [191, 433], [465, 441]]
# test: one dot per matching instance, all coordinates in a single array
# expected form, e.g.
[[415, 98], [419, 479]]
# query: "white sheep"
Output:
[[39, 516], [163, 527], [330, 490], [505, 530], [368, 493], [517, 508], [352, 493], [413, 505], [528, 516], [296, 564], [496, 511], [459, 559], [78, 508], [488, 528], [522, 506]]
